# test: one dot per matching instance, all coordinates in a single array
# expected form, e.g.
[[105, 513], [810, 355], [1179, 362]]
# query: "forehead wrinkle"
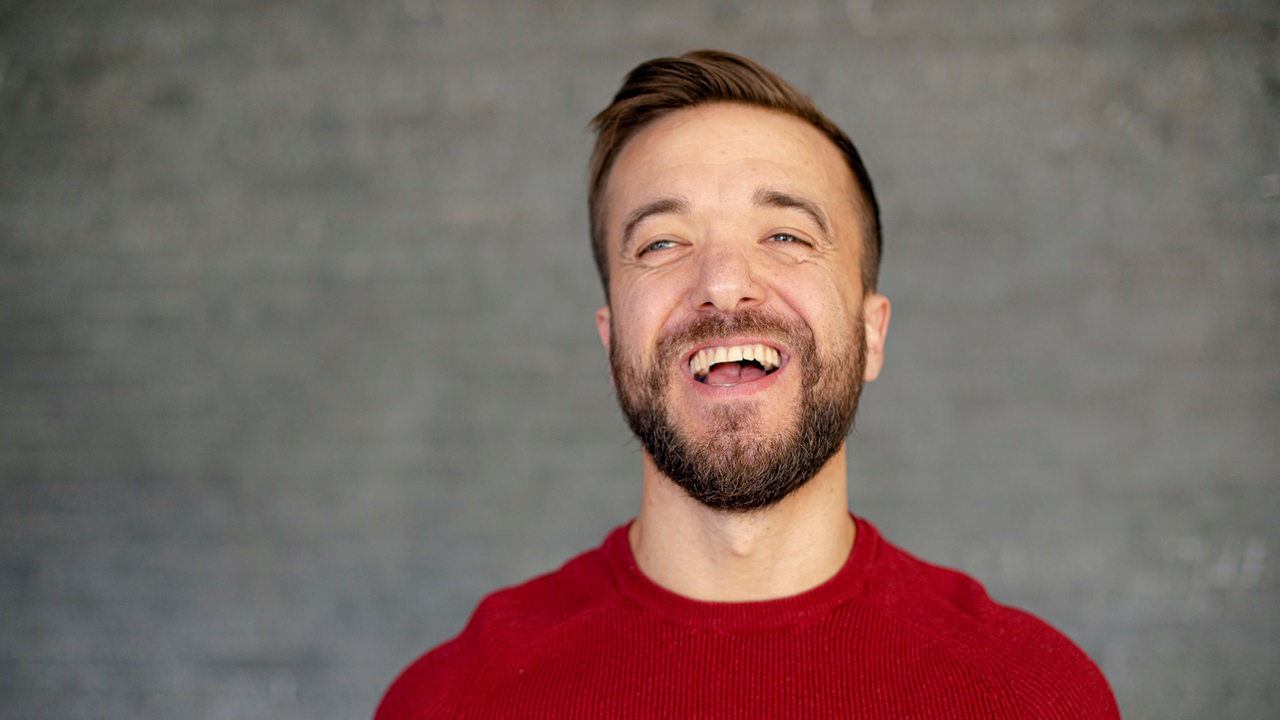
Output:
[[769, 197], [661, 206]]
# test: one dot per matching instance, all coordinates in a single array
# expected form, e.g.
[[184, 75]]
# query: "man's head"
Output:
[[740, 326], [662, 86]]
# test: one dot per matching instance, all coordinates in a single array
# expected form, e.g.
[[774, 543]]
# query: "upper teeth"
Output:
[[702, 360]]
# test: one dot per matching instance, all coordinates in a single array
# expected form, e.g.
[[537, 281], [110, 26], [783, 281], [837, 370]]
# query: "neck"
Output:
[[715, 555]]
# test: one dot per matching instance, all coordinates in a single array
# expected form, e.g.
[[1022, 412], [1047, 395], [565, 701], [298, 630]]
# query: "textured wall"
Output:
[[297, 359]]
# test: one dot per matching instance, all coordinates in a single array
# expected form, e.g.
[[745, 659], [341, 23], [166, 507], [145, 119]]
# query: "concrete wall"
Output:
[[297, 358]]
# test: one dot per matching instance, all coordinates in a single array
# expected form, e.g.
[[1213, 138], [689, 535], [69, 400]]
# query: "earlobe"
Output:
[[875, 316], [603, 317]]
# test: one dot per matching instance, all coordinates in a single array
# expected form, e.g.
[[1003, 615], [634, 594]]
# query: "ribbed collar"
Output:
[[812, 604]]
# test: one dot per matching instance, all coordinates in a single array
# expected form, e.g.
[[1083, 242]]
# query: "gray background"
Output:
[[297, 357]]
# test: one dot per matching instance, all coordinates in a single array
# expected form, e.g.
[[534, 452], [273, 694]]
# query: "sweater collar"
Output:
[[809, 605]]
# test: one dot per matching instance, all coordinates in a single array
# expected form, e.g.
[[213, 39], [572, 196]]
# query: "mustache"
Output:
[[720, 326]]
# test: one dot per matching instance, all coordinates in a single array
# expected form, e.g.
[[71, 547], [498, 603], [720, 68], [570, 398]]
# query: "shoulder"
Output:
[[1047, 675], [505, 622]]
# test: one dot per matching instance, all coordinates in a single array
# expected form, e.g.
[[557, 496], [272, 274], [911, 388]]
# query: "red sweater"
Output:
[[888, 637]]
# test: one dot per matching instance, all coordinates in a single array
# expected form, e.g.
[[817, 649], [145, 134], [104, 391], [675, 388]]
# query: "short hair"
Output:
[[664, 85]]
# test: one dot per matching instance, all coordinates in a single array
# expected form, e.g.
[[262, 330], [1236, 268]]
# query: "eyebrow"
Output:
[[661, 206], [765, 197]]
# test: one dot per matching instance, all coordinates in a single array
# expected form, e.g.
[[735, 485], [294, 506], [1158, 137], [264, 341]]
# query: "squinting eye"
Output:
[[659, 245], [786, 238]]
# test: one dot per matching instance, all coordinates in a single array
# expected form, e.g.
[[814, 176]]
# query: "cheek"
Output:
[[819, 299], [633, 329], [641, 309]]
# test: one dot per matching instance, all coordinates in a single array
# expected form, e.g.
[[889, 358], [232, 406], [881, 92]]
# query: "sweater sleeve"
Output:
[[437, 684], [1052, 678], [1047, 676], [431, 687], [440, 683]]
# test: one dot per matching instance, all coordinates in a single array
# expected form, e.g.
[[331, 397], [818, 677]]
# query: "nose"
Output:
[[727, 280]]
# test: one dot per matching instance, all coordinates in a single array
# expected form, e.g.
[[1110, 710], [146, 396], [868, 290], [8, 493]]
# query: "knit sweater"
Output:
[[889, 636]]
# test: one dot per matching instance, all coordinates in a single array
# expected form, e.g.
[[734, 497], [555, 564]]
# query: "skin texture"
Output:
[[726, 211]]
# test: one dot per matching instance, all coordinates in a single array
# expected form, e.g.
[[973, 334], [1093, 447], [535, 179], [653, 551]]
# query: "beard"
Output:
[[737, 464]]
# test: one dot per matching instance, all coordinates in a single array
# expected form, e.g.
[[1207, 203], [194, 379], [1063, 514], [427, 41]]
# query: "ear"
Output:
[[603, 317], [875, 316]]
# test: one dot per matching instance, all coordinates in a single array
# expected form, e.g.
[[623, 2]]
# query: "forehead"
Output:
[[725, 151]]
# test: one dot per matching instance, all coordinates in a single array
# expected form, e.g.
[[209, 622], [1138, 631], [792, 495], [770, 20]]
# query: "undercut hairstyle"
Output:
[[662, 86]]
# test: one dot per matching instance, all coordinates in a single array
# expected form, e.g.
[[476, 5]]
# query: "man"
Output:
[[737, 235]]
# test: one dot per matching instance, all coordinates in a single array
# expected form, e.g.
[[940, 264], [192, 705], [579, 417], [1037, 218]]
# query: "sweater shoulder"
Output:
[[436, 683], [1048, 675], [548, 601]]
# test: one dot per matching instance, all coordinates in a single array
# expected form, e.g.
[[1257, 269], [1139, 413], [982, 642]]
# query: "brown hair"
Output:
[[663, 85]]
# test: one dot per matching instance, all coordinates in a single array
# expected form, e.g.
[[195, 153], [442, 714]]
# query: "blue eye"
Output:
[[658, 245], [786, 238]]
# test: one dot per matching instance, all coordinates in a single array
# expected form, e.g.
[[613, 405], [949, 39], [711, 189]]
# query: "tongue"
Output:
[[733, 373]]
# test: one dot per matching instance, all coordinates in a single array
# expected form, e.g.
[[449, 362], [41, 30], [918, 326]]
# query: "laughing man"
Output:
[[737, 235]]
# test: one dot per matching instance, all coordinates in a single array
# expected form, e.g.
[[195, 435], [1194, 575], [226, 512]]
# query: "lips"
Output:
[[727, 365]]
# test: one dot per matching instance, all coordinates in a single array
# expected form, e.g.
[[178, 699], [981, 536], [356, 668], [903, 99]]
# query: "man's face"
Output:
[[738, 330]]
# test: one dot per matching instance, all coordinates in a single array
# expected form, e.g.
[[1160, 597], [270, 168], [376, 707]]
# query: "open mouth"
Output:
[[733, 364]]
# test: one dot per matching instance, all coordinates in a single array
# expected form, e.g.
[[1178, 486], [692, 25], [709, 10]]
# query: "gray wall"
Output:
[[297, 358]]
